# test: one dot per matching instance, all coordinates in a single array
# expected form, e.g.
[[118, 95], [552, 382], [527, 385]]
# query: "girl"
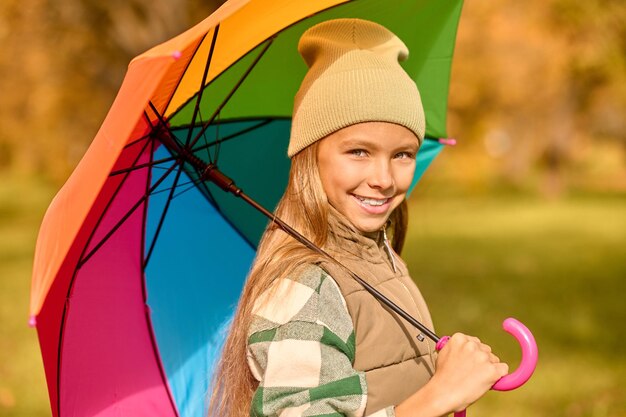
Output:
[[308, 340]]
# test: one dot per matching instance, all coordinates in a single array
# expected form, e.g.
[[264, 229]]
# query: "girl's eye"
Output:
[[405, 155], [357, 152]]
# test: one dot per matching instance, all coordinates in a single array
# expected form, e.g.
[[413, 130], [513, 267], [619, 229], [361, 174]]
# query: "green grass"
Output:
[[559, 267], [23, 391]]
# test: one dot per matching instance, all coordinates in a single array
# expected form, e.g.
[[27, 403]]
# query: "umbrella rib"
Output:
[[152, 164], [191, 187], [144, 137], [235, 120], [149, 325], [60, 347], [206, 125], [203, 82], [232, 136], [163, 126], [142, 252], [209, 195], [127, 215], [130, 144], [206, 142], [194, 183], [199, 148], [217, 141], [110, 202], [193, 55], [71, 283], [162, 219]]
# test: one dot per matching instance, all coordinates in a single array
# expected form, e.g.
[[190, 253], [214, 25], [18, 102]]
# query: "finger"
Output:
[[493, 358], [485, 348], [460, 337], [502, 368], [474, 339]]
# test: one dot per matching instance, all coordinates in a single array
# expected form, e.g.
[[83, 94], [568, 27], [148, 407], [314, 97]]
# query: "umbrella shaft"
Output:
[[211, 173]]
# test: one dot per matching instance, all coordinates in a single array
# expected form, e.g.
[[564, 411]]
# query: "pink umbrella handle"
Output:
[[529, 357]]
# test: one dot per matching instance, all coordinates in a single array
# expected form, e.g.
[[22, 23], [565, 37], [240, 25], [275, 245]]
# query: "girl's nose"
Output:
[[380, 175]]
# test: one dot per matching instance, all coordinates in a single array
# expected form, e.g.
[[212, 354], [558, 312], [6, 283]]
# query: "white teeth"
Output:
[[371, 201]]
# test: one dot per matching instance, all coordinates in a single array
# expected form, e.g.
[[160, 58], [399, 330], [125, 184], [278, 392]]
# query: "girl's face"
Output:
[[366, 170]]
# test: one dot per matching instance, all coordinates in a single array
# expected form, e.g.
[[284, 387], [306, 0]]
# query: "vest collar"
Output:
[[344, 237]]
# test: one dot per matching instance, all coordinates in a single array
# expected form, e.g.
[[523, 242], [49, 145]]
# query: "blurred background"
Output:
[[525, 217]]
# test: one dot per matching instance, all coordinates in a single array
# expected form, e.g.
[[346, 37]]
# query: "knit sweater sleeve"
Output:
[[301, 348]]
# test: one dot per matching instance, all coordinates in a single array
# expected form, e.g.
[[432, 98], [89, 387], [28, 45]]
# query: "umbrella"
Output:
[[139, 260]]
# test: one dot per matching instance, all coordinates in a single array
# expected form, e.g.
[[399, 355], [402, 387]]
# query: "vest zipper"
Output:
[[389, 250], [420, 336]]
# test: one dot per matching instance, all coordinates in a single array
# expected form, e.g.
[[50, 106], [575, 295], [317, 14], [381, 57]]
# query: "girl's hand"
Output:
[[466, 370]]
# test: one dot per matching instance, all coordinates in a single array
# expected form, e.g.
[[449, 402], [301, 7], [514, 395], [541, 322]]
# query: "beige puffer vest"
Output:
[[395, 362]]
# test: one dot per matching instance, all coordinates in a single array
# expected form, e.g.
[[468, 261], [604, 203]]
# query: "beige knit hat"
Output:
[[354, 76]]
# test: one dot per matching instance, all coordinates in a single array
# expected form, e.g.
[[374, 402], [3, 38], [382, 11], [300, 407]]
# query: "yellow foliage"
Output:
[[533, 82]]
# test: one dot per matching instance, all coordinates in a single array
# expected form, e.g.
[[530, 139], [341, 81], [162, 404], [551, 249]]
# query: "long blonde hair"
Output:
[[304, 206]]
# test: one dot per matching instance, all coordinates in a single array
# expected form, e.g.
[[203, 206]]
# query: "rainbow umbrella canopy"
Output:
[[140, 260]]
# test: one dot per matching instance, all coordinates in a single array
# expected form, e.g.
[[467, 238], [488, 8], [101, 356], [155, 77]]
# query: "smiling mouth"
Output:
[[374, 202]]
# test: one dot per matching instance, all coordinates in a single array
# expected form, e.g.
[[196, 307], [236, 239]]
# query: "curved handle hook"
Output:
[[527, 366], [530, 355]]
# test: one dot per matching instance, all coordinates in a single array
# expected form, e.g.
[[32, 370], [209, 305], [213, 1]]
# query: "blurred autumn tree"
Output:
[[61, 66], [538, 87]]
